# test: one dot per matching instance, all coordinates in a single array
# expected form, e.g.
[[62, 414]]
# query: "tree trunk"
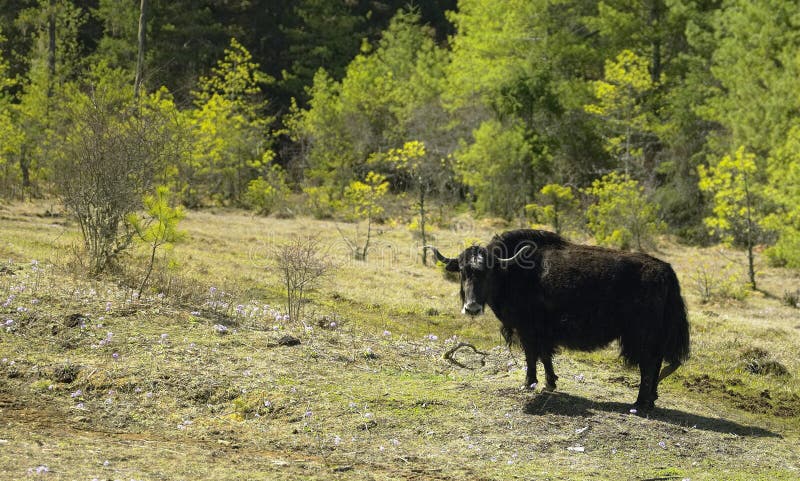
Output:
[[655, 19], [422, 225], [289, 292], [149, 270], [24, 168], [369, 234], [137, 83], [750, 241], [51, 48]]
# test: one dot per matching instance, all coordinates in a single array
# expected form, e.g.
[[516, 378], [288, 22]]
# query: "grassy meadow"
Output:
[[194, 380]]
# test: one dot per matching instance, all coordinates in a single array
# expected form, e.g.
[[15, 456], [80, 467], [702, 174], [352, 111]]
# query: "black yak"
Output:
[[550, 293]]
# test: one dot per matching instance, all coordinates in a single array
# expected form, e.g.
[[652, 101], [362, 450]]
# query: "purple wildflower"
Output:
[[39, 470], [107, 339]]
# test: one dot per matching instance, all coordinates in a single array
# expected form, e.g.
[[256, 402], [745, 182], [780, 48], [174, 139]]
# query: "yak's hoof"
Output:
[[530, 385], [642, 407], [550, 387]]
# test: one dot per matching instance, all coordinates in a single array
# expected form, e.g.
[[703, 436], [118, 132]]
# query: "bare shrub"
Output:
[[110, 152], [704, 284], [302, 264], [792, 298], [718, 285]]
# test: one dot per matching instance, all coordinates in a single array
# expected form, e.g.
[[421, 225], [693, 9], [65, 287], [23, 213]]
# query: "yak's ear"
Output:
[[451, 265]]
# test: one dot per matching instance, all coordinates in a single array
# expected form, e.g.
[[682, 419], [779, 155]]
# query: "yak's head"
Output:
[[476, 266]]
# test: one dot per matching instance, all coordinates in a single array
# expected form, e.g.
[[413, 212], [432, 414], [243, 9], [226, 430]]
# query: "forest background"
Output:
[[618, 119]]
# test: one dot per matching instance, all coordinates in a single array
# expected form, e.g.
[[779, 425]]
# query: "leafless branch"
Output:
[[448, 356]]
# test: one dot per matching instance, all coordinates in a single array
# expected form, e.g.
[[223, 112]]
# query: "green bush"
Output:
[[621, 217], [557, 207], [158, 227], [498, 167], [267, 193], [319, 202], [363, 201], [785, 252]]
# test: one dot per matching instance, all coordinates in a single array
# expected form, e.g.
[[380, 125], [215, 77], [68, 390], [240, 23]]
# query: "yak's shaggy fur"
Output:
[[556, 293]]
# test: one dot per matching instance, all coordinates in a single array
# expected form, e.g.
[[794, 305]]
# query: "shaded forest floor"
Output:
[[203, 383]]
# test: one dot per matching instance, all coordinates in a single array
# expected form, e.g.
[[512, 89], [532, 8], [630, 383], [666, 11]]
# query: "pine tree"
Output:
[[737, 203]]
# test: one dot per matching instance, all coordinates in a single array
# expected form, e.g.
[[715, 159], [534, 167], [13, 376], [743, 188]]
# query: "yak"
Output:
[[549, 293]]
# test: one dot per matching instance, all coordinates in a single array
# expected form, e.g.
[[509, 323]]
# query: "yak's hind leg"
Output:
[[547, 362], [656, 378], [649, 368]]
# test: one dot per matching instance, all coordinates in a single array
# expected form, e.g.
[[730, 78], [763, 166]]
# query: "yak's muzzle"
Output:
[[472, 308]]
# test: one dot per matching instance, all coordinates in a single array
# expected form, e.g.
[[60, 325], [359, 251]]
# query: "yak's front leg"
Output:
[[531, 356], [550, 375]]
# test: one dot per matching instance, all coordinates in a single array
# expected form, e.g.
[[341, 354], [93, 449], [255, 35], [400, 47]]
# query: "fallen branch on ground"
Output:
[[450, 352]]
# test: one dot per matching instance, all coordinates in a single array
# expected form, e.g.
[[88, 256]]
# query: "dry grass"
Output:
[[186, 399]]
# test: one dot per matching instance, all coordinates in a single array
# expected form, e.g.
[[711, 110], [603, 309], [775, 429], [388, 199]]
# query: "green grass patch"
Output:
[[90, 373]]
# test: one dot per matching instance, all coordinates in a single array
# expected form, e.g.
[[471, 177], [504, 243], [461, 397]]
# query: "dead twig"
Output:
[[448, 356]]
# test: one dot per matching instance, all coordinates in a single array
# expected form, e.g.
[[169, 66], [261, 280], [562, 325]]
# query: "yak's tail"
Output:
[[667, 370], [676, 324]]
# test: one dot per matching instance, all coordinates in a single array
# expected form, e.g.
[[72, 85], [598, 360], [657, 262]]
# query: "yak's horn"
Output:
[[515, 256], [439, 256]]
